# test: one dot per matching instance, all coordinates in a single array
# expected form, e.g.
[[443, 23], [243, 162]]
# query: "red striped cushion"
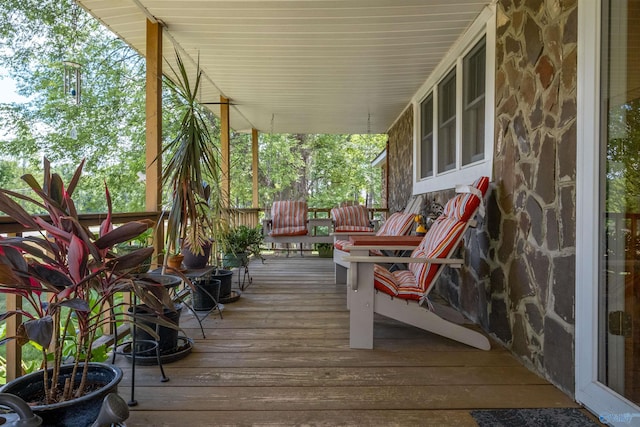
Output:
[[441, 239], [398, 224], [393, 283], [384, 281], [350, 218], [341, 244], [289, 218], [464, 205]]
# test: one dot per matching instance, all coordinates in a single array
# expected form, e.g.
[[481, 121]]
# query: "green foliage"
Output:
[[623, 158], [242, 239], [111, 111], [324, 169]]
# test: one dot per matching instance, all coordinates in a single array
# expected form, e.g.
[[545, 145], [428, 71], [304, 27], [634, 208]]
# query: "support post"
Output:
[[154, 130], [225, 151], [254, 168]]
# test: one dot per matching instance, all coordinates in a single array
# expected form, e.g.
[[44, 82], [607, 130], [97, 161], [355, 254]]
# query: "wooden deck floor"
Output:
[[281, 356]]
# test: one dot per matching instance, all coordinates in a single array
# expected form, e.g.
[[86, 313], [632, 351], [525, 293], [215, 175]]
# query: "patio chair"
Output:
[[289, 223], [401, 294], [398, 224], [354, 218]]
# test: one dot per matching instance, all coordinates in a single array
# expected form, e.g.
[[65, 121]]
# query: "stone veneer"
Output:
[[518, 281], [400, 155]]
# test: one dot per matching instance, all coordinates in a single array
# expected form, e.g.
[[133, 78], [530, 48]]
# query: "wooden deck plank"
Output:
[[207, 418], [281, 356], [354, 376], [256, 398], [338, 359]]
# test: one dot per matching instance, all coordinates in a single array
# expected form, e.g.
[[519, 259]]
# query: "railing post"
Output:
[[14, 350]]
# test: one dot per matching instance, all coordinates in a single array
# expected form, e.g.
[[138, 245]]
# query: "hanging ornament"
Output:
[[73, 80]]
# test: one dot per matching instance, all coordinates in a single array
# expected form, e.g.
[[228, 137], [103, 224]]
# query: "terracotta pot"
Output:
[[175, 261]]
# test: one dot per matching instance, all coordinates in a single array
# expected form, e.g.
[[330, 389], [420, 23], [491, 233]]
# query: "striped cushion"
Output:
[[341, 244], [391, 282], [464, 205], [350, 218], [398, 224], [289, 218], [441, 239]]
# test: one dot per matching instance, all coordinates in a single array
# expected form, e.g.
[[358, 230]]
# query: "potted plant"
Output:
[[68, 277], [325, 250], [192, 172], [239, 243]]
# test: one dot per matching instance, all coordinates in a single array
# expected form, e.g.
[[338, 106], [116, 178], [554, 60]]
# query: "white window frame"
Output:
[[589, 391], [483, 26]]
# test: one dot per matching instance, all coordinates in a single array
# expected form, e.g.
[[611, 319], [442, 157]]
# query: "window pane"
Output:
[[426, 137], [619, 290], [473, 108], [447, 123]]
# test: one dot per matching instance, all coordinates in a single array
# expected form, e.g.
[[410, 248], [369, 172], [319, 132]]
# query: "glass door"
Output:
[[618, 350]]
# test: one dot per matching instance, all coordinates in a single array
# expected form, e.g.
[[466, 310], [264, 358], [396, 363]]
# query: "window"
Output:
[[473, 107], [453, 112], [426, 138], [447, 123]]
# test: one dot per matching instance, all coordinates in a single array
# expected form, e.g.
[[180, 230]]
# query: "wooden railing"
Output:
[[250, 217]]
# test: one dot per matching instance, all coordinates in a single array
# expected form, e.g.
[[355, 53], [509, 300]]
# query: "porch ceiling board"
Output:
[[302, 66]]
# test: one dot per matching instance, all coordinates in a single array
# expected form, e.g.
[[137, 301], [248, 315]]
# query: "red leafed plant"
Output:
[[65, 271]]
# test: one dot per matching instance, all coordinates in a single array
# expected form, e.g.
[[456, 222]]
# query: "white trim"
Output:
[[588, 390], [483, 26]]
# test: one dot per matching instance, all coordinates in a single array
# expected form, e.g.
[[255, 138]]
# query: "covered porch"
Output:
[[281, 356]]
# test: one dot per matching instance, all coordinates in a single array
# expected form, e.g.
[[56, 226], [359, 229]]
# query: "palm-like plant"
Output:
[[195, 214]]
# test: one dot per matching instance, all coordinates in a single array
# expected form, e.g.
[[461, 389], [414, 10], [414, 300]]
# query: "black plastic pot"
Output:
[[79, 412], [206, 294], [193, 261], [225, 277], [168, 341]]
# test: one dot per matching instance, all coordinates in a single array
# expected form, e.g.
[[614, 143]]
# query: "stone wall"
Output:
[[531, 216], [518, 281], [400, 155]]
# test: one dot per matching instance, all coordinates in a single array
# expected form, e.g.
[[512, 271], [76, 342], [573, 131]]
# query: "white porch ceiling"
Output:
[[302, 66]]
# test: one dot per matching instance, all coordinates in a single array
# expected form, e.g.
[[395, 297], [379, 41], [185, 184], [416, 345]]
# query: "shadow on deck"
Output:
[[281, 356]]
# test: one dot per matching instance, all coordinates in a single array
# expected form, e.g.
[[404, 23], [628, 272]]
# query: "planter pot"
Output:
[[225, 277], [235, 260], [79, 412], [193, 261], [325, 252], [168, 341], [206, 294], [175, 261]]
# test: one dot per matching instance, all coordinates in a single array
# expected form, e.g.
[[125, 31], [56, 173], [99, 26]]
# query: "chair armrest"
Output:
[[344, 235], [386, 240], [397, 259], [381, 247]]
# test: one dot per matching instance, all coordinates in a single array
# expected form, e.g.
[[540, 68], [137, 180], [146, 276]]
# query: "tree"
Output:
[[110, 112]]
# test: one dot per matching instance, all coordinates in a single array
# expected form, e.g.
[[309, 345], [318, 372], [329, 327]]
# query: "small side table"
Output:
[[169, 282], [195, 276]]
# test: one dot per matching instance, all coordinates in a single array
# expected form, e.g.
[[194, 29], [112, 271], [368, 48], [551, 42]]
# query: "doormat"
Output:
[[548, 417]]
